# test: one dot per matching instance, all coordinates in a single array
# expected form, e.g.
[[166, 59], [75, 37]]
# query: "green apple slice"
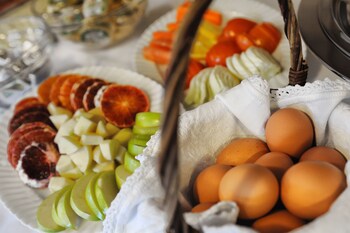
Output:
[[44, 219], [91, 139], [144, 130], [68, 144], [77, 198], [109, 148], [135, 149], [121, 174], [105, 166], [57, 183], [66, 168], [112, 129], [101, 129], [148, 119], [65, 212], [97, 155], [91, 199], [54, 212], [130, 162], [82, 158], [123, 136], [106, 190], [142, 137]]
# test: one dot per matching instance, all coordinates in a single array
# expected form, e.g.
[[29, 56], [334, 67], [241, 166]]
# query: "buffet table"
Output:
[[66, 55]]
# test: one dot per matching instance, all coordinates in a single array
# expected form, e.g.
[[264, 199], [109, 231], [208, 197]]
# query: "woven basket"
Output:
[[175, 78]]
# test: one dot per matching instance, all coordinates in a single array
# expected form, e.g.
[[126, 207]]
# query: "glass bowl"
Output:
[[92, 23], [25, 45]]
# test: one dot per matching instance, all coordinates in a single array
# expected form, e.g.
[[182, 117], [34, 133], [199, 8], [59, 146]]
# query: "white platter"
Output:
[[230, 9], [23, 201]]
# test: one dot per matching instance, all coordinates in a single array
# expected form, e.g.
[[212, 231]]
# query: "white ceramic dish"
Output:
[[23, 201], [230, 9]]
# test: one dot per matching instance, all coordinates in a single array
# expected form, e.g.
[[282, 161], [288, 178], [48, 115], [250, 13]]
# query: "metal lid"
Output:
[[325, 28]]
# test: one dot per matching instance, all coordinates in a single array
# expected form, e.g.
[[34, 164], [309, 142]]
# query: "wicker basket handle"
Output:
[[174, 86]]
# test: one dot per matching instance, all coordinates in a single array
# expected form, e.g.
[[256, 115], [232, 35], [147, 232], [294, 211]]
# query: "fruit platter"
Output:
[[233, 39], [75, 141]]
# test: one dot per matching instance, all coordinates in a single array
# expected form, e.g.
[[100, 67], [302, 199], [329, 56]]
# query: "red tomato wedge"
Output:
[[194, 67], [237, 26], [157, 54], [244, 41], [265, 36], [120, 104], [220, 51]]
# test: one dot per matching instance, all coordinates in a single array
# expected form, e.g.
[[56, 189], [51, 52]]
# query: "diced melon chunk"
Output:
[[84, 126], [82, 158], [68, 144], [101, 129], [112, 129], [105, 166], [66, 168], [97, 155], [109, 148], [57, 183], [56, 110], [58, 120], [123, 136], [91, 139]]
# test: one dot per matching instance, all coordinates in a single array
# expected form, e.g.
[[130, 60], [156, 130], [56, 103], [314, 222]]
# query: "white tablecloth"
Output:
[[67, 55]]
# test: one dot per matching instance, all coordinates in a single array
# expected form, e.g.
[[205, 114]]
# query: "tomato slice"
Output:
[[220, 51], [244, 41], [264, 38], [194, 67], [237, 26]]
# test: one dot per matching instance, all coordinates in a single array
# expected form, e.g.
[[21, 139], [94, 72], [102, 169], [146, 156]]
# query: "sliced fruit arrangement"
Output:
[[243, 45]]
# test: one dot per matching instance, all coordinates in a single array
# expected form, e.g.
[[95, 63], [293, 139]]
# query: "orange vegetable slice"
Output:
[[66, 89], [44, 89], [120, 104]]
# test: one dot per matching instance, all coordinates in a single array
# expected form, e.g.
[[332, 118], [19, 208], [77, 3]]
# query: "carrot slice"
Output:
[[157, 54], [213, 17], [166, 44], [163, 35], [173, 26], [120, 104], [44, 89]]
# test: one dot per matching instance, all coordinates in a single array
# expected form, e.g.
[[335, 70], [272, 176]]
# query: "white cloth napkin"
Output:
[[239, 112]]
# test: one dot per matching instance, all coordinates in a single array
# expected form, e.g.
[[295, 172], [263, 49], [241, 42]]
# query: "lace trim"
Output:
[[316, 87]]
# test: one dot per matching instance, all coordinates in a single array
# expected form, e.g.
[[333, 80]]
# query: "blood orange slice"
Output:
[[44, 89], [38, 136], [66, 88], [120, 104], [24, 103], [78, 91], [22, 130], [55, 89], [35, 116], [89, 96]]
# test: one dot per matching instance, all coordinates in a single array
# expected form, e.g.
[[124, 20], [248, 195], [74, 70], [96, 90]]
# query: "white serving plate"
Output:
[[21, 200], [250, 9]]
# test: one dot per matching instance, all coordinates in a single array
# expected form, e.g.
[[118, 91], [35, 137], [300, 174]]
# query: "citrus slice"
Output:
[[89, 96], [26, 102], [44, 89], [120, 104], [66, 88], [55, 89], [78, 91], [35, 116]]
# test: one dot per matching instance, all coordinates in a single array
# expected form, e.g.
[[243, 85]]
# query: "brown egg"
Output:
[[309, 188], [201, 207], [254, 188], [289, 131], [322, 153], [278, 222], [240, 151], [206, 186], [277, 162]]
